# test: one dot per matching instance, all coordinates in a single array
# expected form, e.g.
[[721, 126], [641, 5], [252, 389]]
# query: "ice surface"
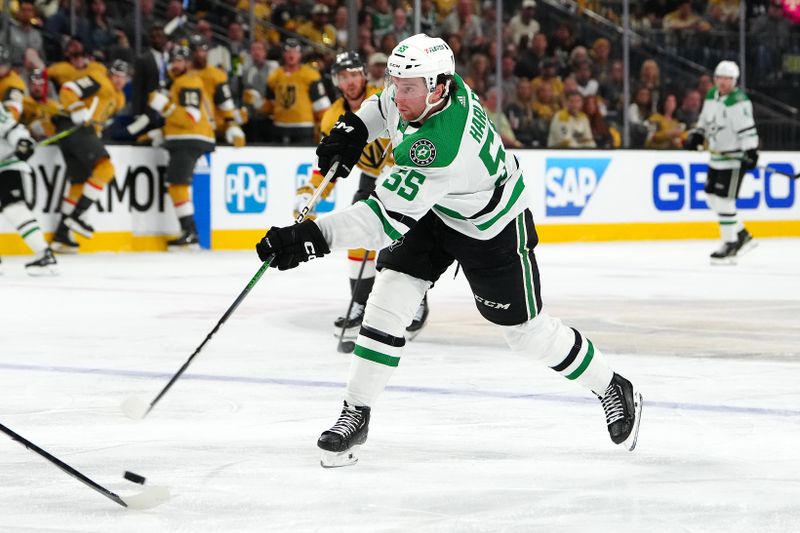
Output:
[[468, 437]]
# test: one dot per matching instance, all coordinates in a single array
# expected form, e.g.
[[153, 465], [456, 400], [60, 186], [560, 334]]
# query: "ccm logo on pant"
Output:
[[493, 305]]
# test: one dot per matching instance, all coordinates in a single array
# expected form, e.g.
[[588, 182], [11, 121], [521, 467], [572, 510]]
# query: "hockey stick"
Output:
[[44, 142], [149, 497], [137, 408], [349, 346], [762, 167]]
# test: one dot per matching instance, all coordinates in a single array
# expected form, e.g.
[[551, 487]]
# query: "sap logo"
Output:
[[570, 182], [303, 176], [493, 305], [246, 188], [675, 189]]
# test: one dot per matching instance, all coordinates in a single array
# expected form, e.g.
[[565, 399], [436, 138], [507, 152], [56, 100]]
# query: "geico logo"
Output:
[[246, 188], [676, 187], [570, 183], [136, 188], [493, 305]]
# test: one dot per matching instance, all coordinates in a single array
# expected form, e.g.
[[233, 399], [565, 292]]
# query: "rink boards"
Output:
[[574, 195]]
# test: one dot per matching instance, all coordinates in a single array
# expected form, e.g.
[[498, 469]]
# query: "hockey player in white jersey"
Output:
[[726, 124], [16, 147], [454, 194]]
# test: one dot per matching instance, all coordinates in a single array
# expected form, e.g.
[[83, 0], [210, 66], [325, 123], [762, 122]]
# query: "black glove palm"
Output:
[[24, 149], [292, 245], [694, 140], [750, 159], [347, 140]]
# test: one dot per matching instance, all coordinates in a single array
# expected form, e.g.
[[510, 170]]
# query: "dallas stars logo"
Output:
[[422, 152]]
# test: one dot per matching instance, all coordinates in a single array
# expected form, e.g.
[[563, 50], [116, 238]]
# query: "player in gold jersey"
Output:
[[188, 133], [90, 96], [37, 109], [350, 77], [295, 97]]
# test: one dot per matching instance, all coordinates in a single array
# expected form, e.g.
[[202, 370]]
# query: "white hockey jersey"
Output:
[[11, 132], [728, 124], [454, 164]]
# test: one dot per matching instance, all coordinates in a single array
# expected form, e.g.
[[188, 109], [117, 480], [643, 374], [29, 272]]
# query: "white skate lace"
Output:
[[356, 311], [612, 405], [348, 422]]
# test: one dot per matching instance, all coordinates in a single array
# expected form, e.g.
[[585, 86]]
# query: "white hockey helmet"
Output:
[[727, 69], [421, 56]]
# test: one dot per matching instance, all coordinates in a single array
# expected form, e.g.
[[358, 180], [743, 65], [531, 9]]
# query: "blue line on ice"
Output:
[[439, 391]]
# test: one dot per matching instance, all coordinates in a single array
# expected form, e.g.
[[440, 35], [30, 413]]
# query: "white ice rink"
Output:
[[468, 437]]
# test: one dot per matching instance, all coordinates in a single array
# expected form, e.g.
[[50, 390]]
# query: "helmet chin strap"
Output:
[[429, 106]]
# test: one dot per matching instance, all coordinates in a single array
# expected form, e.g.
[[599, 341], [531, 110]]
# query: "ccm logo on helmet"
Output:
[[493, 305]]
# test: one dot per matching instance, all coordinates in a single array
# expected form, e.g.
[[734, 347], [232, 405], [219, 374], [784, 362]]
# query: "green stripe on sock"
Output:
[[376, 357], [585, 363], [33, 229], [727, 222]]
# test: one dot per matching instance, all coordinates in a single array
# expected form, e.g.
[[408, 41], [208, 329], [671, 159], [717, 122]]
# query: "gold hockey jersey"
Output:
[[295, 98], [63, 71], [377, 154], [82, 92], [38, 116], [215, 83], [188, 113], [12, 92]]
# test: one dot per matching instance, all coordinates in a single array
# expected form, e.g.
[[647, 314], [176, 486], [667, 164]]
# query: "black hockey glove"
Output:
[[292, 245], [694, 140], [750, 159], [24, 149], [347, 139]]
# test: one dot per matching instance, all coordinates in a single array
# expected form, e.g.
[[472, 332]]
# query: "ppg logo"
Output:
[[569, 183], [246, 188]]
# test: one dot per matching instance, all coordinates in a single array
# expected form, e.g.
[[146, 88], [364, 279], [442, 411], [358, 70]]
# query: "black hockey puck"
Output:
[[136, 478], [346, 347]]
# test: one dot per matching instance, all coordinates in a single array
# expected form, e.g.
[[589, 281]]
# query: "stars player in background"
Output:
[[726, 123], [90, 95], [349, 76], [453, 194]]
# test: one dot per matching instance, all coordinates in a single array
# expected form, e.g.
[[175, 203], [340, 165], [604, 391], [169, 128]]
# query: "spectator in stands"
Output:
[[296, 97], [562, 43], [500, 120], [683, 23], [376, 69], [318, 29], [388, 43], [689, 111], [488, 18], [465, 23], [586, 84], [570, 127], [604, 135], [770, 32], [531, 57], [729, 10], [382, 18], [148, 19], [59, 24], [650, 77], [548, 76], [523, 119], [24, 35], [546, 105], [149, 74], [641, 22], [612, 92], [103, 32], [478, 77], [429, 19], [704, 84], [456, 44], [639, 111], [340, 22], [401, 27], [669, 131], [523, 24], [509, 81], [365, 45], [254, 82], [176, 27], [601, 59]]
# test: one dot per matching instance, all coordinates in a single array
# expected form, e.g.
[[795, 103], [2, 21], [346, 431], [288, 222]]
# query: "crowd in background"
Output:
[[558, 88]]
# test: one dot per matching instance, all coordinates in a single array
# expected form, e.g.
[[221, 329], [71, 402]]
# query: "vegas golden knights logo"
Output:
[[288, 96]]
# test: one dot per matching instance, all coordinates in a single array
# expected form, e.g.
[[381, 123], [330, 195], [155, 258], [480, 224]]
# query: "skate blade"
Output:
[[350, 334], [77, 228], [59, 248], [41, 272], [727, 261], [630, 442], [747, 247], [411, 335], [339, 459], [183, 248]]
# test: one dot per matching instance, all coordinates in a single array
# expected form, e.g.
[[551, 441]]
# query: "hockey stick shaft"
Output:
[[763, 167], [252, 283], [44, 142], [340, 347], [64, 467]]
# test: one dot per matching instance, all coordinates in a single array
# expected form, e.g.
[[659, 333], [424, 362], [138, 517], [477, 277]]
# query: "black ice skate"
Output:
[[188, 240], [420, 317], [351, 323], [62, 240], [744, 242], [44, 264], [726, 254], [623, 407], [340, 443], [79, 226]]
